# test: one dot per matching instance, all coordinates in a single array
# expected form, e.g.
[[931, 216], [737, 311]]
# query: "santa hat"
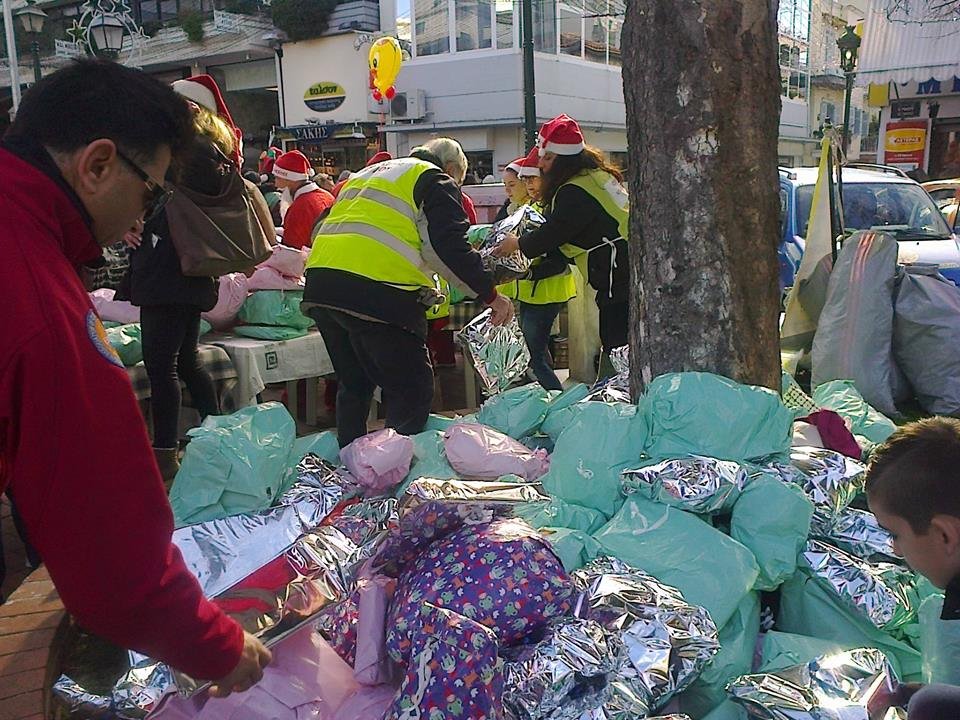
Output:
[[267, 158], [380, 157], [530, 165], [293, 166], [515, 165], [204, 91], [561, 136]]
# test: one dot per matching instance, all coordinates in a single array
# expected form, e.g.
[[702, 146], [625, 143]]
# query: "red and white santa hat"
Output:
[[204, 91], [515, 165], [561, 136], [530, 165], [293, 166]]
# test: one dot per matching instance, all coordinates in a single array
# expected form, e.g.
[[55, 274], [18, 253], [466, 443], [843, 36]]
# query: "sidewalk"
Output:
[[13, 551]]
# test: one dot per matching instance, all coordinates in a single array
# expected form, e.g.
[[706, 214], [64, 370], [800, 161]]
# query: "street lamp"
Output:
[[32, 18], [107, 31], [274, 39], [849, 44]]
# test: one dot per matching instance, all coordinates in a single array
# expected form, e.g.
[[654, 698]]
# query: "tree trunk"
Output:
[[702, 91]]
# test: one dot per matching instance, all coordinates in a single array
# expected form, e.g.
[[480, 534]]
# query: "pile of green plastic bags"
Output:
[[273, 315]]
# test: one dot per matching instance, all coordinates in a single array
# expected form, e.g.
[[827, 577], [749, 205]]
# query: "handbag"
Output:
[[216, 235]]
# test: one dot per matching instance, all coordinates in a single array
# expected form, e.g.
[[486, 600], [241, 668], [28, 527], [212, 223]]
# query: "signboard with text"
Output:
[[905, 143]]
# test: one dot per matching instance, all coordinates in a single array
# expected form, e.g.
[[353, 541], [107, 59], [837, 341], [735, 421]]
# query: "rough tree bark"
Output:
[[703, 107]]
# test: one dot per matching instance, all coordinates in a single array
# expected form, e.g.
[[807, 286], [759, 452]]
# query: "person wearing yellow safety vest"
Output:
[[586, 220], [369, 280], [542, 294]]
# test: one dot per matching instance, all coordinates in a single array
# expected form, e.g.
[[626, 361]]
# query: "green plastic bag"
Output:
[[233, 464], [782, 650], [727, 710], [516, 412], [126, 340], [680, 549], [738, 641], [574, 547], [429, 460], [477, 234], [807, 608], [439, 422], [844, 399], [696, 413], [940, 643], [324, 444], [205, 327], [276, 333], [772, 519], [274, 307], [560, 514], [563, 409], [603, 440]]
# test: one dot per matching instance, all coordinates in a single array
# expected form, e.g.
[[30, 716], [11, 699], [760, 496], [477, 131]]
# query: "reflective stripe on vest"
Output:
[[373, 230]]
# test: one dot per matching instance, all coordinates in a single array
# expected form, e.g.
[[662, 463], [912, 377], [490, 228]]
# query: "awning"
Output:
[[908, 44]]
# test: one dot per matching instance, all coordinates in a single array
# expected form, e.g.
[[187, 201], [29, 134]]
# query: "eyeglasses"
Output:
[[159, 195]]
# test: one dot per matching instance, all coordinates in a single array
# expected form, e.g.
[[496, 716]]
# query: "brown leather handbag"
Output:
[[221, 234]]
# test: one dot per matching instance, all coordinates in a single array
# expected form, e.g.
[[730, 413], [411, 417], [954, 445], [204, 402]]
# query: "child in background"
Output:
[[913, 489]]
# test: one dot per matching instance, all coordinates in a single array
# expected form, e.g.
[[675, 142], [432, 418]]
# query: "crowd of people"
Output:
[[91, 158]]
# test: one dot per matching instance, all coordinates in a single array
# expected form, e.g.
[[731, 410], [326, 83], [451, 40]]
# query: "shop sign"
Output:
[[324, 96], [312, 132], [904, 109], [905, 143]]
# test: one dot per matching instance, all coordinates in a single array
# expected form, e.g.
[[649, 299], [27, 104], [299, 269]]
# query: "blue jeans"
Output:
[[535, 323]]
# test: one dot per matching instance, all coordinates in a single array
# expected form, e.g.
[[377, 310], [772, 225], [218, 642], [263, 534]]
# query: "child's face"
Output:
[[934, 554]]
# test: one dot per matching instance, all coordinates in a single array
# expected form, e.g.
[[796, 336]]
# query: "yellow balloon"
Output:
[[385, 59]]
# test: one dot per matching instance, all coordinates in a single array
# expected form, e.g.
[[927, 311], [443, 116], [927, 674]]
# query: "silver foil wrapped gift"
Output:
[[318, 488], [882, 592], [516, 264], [499, 354], [562, 676], [852, 685], [80, 702], [697, 484], [830, 479], [856, 532], [615, 388], [490, 494], [661, 641]]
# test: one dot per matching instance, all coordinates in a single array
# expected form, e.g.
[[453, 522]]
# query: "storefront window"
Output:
[[793, 19], [545, 27], [504, 23], [571, 27], [433, 29], [473, 24]]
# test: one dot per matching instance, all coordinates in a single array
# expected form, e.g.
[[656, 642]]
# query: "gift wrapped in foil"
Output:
[[852, 685], [365, 522], [142, 687], [615, 388], [499, 354], [830, 479], [482, 493], [662, 643], [78, 702], [856, 532], [319, 487], [561, 676], [516, 264], [882, 592], [696, 484]]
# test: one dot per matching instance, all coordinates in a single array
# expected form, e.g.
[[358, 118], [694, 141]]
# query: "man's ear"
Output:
[[95, 165], [947, 532]]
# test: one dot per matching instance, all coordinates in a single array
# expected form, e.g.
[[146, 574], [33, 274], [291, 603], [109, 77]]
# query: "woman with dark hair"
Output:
[[587, 212]]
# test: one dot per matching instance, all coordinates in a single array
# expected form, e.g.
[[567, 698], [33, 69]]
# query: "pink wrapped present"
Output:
[[268, 278], [372, 666], [478, 451], [289, 262], [111, 310], [232, 293], [380, 460]]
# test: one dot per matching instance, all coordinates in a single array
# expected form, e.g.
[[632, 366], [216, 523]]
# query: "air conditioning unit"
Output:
[[409, 105]]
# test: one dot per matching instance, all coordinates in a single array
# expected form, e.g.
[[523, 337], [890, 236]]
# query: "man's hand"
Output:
[[502, 308], [509, 245], [247, 673], [134, 236]]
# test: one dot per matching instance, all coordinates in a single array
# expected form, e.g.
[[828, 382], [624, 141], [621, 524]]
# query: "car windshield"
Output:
[[904, 209]]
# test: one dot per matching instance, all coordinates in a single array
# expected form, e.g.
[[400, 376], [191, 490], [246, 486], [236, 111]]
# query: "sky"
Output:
[[403, 8]]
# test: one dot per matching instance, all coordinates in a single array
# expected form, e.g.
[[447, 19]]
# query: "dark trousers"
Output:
[[33, 558], [367, 355], [614, 321], [170, 336], [535, 323], [935, 702]]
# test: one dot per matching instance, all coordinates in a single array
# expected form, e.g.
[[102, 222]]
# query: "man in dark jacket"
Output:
[[396, 228], [82, 161]]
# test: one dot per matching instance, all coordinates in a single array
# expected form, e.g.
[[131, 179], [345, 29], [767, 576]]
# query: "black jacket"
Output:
[[447, 224], [155, 276], [577, 219]]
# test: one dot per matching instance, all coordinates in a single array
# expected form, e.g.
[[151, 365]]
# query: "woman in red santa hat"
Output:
[[307, 201], [171, 302], [587, 212]]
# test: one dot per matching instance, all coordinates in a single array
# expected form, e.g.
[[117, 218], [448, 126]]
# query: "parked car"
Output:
[[874, 197], [944, 194]]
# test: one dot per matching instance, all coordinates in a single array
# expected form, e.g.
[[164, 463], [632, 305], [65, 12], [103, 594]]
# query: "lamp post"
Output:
[[274, 40], [849, 44], [32, 19], [106, 32]]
